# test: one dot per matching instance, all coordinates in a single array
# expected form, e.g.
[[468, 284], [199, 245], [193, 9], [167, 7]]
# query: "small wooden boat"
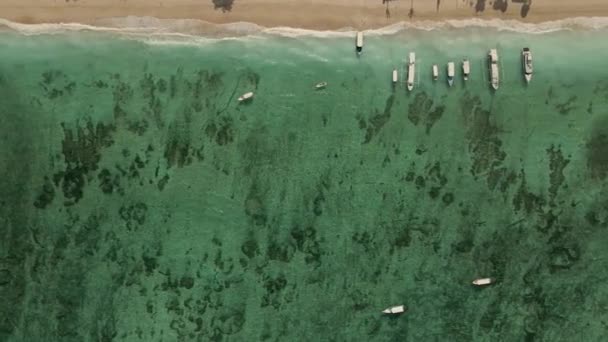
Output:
[[493, 66], [466, 69], [245, 97], [526, 55], [483, 281], [411, 71], [450, 73], [320, 85], [359, 42], [395, 310]]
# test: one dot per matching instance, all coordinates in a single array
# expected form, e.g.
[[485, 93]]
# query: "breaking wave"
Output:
[[180, 30]]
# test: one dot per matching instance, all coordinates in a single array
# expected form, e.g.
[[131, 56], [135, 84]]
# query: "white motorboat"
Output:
[[526, 55], [395, 76], [245, 97], [359, 42], [411, 71], [395, 310], [450, 73], [435, 72], [321, 85], [483, 281], [493, 66], [466, 69]]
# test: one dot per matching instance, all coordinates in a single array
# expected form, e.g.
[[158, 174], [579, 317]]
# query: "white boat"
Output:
[[450, 73], [526, 55], [493, 65], [359, 42], [466, 69], [411, 71], [435, 72], [483, 281], [395, 310], [246, 96], [395, 76], [321, 85]]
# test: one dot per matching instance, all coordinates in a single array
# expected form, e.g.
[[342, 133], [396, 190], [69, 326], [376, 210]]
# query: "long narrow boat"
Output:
[[466, 69], [435, 72], [483, 281], [359, 42], [246, 97], [526, 57], [493, 66], [411, 71], [395, 76], [395, 310], [450, 73]]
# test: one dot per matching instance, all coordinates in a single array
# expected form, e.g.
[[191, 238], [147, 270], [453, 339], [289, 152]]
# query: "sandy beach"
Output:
[[310, 14]]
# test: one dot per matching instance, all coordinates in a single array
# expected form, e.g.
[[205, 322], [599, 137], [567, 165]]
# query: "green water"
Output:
[[140, 202]]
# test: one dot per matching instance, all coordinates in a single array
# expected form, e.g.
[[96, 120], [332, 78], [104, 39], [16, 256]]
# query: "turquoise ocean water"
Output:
[[140, 202]]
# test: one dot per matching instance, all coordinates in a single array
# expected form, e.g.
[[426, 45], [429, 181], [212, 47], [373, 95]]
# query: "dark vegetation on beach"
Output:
[[224, 5], [501, 5]]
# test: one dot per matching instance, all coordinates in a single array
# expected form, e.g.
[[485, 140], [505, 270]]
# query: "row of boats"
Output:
[[493, 67], [399, 309]]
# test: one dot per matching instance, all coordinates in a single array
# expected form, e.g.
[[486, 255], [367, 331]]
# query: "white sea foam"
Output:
[[180, 31]]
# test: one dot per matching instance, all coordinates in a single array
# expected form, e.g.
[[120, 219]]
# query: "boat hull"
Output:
[[483, 281], [395, 310], [245, 97]]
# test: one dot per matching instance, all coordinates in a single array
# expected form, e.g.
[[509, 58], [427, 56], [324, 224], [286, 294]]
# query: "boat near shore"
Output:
[[411, 71], [320, 85], [483, 281], [394, 310], [493, 66], [435, 72], [526, 57], [466, 69], [359, 43], [450, 73], [246, 97]]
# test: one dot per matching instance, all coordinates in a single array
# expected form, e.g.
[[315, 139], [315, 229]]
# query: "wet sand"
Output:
[[311, 14]]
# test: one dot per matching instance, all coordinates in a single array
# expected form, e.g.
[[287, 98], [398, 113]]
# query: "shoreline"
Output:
[[180, 29], [312, 15]]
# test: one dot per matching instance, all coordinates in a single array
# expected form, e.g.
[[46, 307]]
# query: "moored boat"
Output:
[[435, 72], [395, 310], [450, 73], [395, 76], [411, 71], [466, 69], [245, 97], [526, 55], [483, 281], [359, 42], [493, 66]]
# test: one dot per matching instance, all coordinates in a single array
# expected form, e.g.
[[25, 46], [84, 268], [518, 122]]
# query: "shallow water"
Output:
[[141, 202]]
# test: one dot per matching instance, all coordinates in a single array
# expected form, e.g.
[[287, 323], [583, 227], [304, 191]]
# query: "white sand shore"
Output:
[[311, 14]]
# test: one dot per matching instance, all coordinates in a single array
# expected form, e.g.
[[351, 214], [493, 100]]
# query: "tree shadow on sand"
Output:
[[224, 5], [524, 10], [500, 5], [480, 6]]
